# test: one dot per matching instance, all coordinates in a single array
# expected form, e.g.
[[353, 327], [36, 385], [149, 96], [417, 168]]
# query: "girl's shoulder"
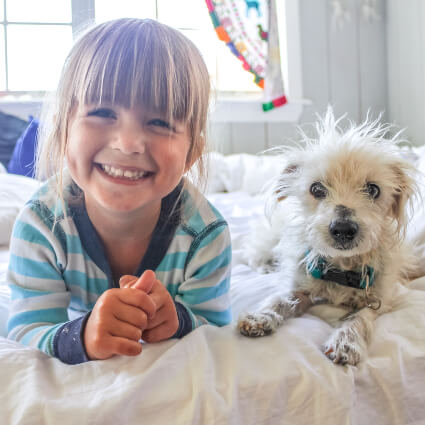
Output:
[[197, 213], [47, 205]]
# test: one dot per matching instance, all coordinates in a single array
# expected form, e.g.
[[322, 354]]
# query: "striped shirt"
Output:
[[58, 268]]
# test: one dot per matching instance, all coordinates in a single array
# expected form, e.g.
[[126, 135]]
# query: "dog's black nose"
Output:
[[343, 231]]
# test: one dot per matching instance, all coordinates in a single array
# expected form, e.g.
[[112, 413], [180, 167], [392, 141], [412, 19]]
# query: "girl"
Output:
[[129, 122]]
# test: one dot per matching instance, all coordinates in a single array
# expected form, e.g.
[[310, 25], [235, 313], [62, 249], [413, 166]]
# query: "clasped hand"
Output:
[[141, 308]]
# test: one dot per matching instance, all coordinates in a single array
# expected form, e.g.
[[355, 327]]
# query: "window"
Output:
[[33, 43], [35, 36]]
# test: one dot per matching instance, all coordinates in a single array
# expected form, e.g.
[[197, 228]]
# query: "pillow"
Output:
[[14, 192], [11, 128], [23, 157]]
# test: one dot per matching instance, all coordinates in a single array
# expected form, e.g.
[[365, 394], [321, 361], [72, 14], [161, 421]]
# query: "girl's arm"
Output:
[[204, 296], [39, 297]]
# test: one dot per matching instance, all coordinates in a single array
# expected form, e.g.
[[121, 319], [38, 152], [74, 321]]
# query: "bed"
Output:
[[214, 375]]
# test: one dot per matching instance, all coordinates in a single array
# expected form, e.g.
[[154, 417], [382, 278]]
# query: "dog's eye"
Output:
[[372, 190], [318, 190]]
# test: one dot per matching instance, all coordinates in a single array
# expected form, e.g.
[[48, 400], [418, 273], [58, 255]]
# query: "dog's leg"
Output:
[[348, 344], [273, 315]]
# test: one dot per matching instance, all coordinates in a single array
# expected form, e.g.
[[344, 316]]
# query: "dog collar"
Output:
[[357, 280]]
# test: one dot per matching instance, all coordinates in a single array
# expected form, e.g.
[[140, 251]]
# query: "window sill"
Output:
[[249, 110], [225, 110]]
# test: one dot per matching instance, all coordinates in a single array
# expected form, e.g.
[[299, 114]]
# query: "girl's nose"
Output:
[[130, 139]]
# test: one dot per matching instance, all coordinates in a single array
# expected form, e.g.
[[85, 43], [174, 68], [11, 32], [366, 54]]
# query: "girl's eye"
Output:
[[103, 113], [372, 190], [157, 122], [318, 190]]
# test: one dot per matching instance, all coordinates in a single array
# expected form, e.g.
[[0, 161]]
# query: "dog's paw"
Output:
[[342, 350], [256, 324]]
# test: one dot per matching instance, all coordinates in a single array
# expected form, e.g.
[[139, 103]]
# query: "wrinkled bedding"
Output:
[[216, 376]]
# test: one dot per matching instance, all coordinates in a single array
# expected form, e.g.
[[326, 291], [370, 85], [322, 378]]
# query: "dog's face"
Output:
[[351, 192]]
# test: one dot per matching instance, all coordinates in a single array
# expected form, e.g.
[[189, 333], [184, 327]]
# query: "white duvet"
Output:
[[216, 376]]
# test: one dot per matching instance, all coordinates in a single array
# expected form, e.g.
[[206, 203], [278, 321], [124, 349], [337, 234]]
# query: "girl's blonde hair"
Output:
[[128, 62]]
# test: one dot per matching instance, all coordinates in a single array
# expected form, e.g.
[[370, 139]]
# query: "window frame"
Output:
[[226, 107]]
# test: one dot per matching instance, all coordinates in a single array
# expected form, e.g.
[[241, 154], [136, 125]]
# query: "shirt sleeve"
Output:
[[38, 315], [204, 296]]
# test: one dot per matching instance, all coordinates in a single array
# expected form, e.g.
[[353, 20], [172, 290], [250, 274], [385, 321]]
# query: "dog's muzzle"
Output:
[[343, 232]]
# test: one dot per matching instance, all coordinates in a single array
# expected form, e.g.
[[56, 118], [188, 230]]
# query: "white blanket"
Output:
[[216, 376]]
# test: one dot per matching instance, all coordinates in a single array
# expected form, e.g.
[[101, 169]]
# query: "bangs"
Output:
[[138, 68]]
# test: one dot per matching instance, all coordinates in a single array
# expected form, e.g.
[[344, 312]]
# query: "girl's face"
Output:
[[125, 160]]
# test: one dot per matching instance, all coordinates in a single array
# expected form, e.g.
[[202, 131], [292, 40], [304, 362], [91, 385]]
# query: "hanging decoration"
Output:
[[249, 28]]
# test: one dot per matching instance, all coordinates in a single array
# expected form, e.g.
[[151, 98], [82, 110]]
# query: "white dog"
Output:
[[335, 233]]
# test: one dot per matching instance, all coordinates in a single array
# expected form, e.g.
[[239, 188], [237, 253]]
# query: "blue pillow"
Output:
[[23, 157]]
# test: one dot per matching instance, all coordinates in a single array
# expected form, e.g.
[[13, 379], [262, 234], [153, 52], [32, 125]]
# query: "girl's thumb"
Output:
[[145, 281]]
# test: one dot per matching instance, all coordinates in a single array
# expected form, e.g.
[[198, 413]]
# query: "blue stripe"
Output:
[[46, 341], [74, 246], [20, 293], [89, 284], [49, 315], [32, 268], [26, 232], [222, 260], [175, 260], [26, 339], [196, 221], [79, 305], [200, 295], [219, 318]]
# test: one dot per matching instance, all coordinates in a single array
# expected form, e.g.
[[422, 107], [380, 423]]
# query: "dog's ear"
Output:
[[284, 181], [405, 187]]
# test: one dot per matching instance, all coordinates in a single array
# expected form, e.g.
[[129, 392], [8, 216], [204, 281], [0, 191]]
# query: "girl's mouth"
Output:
[[123, 174]]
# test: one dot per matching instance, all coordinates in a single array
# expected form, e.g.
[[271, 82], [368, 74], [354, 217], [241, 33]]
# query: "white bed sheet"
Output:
[[216, 376]]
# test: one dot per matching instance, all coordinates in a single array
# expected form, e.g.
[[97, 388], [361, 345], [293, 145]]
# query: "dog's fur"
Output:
[[298, 231]]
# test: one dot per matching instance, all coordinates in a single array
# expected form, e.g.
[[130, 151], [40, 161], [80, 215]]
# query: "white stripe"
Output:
[[42, 302]]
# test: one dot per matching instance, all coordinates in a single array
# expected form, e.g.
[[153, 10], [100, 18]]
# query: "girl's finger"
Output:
[[127, 280], [124, 346], [133, 315], [145, 281], [125, 330]]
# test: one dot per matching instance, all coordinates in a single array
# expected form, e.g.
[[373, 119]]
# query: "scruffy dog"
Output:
[[336, 221]]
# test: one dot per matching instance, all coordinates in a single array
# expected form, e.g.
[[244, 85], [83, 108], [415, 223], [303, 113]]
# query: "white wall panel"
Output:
[[344, 65], [406, 70]]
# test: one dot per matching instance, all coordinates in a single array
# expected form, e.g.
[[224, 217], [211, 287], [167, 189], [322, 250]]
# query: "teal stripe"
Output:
[[20, 293], [201, 295], [89, 284], [26, 339], [74, 246], [32, 268], [219, 318], [79, 305], [175, 260], [28, 233], [46, 341], [196, 221], [172, 288], [49, 315], [222, 260]]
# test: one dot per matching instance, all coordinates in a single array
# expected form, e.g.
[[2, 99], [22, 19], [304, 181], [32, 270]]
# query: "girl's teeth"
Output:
[[117, 172]]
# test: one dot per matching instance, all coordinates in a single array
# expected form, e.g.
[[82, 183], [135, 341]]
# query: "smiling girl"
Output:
[[130, 122]]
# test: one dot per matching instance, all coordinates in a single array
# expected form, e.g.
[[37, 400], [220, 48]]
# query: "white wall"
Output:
[[342, 65], [406, 68]]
